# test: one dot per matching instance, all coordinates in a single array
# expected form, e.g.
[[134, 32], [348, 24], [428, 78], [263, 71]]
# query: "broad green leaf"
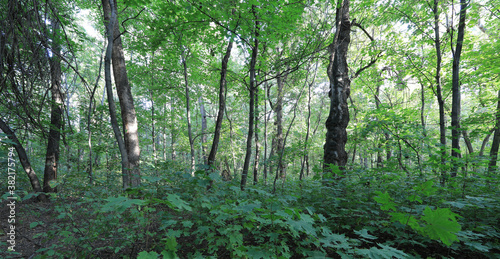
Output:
[[441, 225], [385, 200]]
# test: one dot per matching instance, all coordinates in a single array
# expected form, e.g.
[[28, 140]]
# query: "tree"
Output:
[[130, 126], [222, 105], [52, 155], [455, 103], [338, 118], [252, 90]]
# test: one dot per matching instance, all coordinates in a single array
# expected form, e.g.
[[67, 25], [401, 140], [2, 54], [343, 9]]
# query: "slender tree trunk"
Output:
[[257, 144], [129, 118], [109, 22], [492, 165], [455, 103], [203, 131], [188, 111], [439, 95], [222, 105], [23, 157], [306, 141], [172, 129], [52, 155], [251, 115], [266, 119], [338, 73], [278, 109], [485, 141], [153, 132]]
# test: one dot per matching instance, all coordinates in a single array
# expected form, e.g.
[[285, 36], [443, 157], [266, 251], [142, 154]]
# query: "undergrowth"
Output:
[[174, 216]]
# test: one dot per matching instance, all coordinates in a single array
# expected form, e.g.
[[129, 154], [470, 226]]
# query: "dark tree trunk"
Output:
[[455, 103], [338, 73], [251, 115], [129, 118], [439, 95], [492, 165], [188, 111], [23, 157], [222, 105], [52, 155]]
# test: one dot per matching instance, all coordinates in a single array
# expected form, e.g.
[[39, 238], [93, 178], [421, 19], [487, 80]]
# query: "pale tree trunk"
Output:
[[222, 106], [111, 103], [278, 109], [188, 111], [455, 103], [129, 118], [338, 73], [153, 133], [172, 129], [52, 155], [265, 137], [251, 115]]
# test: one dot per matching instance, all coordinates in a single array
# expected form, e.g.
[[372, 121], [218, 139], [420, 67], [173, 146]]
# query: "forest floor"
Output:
[[186, 221]]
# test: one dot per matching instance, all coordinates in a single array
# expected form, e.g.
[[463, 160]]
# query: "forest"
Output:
[[249, 129]]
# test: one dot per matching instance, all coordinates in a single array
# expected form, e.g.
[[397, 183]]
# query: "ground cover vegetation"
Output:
[[249, 129]]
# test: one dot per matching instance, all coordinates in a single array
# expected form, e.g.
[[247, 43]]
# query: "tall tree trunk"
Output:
[[153, 133], [109, 22], [278, 109], [203, 131], [439, 95], [129, 118], [52, 155], [257, 144], [172, 129], [251, 115], [188, 111], [492, 165], [338, 73], [222, 105], [455, 103]]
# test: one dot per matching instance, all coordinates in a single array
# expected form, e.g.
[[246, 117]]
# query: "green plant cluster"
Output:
[[177, 216]]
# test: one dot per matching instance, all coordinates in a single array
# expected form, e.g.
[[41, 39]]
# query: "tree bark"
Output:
[[129, 118], [251, 115], [492, 165], [278, 109], [439, 95], [109, 22], [23, 157], [188, 111], [52, 155], [222, 105], [257, 144], [203, 131], [338, 118], [455, 103]]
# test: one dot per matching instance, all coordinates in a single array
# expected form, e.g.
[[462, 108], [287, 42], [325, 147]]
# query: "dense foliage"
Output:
[[403, 193]]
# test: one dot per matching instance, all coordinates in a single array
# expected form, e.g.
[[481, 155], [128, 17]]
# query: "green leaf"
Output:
[[441, 225], [364, 234], [385, 200], [120, 204], [147, 255]]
